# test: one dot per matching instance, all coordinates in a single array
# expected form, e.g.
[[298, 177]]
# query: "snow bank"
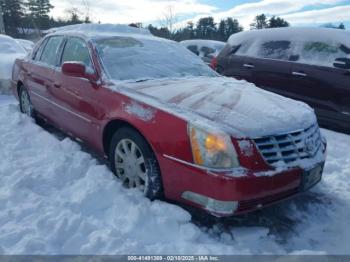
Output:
[[10, 50], [57, 199], [26, 44], [99, 28]]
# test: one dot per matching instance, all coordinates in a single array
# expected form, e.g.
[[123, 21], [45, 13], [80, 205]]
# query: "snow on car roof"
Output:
[[97, 29], [292, 34]]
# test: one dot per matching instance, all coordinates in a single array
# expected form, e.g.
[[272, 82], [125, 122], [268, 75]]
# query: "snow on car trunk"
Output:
[[57, 199]]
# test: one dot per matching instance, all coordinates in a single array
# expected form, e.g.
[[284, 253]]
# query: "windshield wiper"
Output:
[[143, 80]]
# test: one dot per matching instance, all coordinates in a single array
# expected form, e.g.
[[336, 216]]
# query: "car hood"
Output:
[[236, 106]]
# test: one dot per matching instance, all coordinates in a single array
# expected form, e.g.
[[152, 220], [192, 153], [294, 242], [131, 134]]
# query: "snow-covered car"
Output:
[[169, 125], [26, 44], [207, 50], [307, 64], [9, 51]]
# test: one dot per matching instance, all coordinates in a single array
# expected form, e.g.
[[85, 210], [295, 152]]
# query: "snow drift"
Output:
[[57, 199], [10, 50]]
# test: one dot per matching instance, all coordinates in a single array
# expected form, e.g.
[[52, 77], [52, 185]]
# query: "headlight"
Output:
[[212, 150]]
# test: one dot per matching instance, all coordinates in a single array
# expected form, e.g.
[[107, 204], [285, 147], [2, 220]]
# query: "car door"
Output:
[[233, 61], [271, 66], [77, 96], [317, 82], [40, 74]]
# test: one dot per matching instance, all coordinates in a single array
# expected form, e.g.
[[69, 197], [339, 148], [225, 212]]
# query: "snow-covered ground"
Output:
[[56, 198]]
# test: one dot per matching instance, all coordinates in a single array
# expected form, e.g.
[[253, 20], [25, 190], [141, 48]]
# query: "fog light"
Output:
[[210, 204]]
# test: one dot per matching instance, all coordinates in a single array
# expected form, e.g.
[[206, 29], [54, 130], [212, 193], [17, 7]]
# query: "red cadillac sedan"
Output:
[[169, 125]]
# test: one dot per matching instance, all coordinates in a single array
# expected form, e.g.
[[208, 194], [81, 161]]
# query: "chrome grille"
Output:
[[290, 147]]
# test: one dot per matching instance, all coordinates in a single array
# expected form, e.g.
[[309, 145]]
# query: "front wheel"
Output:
[[133, 161], [25, 103]]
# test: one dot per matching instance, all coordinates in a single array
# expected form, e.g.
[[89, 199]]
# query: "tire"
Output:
[[25, 103], [219, 70], [133, 161]]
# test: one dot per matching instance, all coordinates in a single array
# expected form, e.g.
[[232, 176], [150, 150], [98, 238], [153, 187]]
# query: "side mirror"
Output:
[[294, 58], [342, 63], [75, 69]]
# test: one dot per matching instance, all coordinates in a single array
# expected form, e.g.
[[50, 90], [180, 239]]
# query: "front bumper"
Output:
[[229, 193]]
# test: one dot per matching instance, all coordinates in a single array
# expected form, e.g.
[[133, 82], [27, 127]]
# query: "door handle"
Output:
[[57, 85], [299, 74], [249, 66]]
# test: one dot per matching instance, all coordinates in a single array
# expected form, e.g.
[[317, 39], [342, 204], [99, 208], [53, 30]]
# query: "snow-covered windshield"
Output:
[[131, 58]]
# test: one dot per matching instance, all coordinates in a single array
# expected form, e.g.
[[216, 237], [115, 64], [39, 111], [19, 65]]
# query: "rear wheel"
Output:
[[25, 103], [133, 161]]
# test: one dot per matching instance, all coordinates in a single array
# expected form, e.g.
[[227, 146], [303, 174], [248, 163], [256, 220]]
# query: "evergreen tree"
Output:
[[39, 12], [206, 28], [13, 12], [222, 31], [277, 22], [341, 26], [160, 32], [260, 22], [233, 27]]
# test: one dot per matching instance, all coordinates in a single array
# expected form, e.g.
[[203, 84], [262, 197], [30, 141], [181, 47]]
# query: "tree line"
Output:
[[206, 28], [20, 16], [34, 15]]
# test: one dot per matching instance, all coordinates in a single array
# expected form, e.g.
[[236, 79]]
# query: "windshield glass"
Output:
[[129, 58]]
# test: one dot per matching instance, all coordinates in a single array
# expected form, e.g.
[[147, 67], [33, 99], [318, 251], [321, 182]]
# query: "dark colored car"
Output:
[[169, 125], [207, 50], [311, 65]]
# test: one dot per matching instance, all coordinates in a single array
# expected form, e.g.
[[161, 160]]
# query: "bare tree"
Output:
[[169, 18], [87, 7]]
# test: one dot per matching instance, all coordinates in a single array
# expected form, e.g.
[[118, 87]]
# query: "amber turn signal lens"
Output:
[[215, 143], [195, 148]]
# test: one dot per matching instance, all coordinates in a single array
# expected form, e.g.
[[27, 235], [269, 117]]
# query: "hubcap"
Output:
[[26, 104], [130, 164]]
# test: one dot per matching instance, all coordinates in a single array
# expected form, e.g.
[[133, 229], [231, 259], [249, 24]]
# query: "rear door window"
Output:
[[279, 50], [39, 51], [193, 49], [322, 53], [77, 50], [51, 51], [207, 52]]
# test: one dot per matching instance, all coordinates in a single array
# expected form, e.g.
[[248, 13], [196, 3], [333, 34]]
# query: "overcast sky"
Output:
[[297, 12]]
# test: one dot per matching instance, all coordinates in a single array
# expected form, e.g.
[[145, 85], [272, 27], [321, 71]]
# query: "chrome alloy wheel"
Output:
[[26, 104], [130, 164]]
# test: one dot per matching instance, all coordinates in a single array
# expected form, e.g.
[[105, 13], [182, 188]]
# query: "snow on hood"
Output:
[[226, 104]]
